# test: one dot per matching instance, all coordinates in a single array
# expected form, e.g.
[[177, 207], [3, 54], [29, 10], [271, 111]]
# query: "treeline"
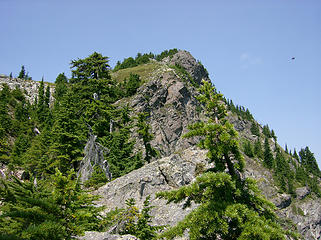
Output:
[[143, 58], [290, 170]]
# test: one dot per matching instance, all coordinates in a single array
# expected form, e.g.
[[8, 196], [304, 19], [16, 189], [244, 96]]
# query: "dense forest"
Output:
[[42, 145]]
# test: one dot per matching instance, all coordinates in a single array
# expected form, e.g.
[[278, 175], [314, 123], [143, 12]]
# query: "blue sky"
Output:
[[246, 47]]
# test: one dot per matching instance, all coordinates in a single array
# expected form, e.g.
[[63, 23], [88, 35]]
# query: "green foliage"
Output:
[[248, 149], [241, 112], [22, 73], [143, 59], [225, 211], [219, 136], [144, 133], [255, 129], [61, 85], [93, 67], [268, 156], [167, 53], [183, 74], [283, 173], [258, 151], [136, 222], [59, 210], [266, 131], [308, 160], [131, 62], [97, 179], [132, 84]]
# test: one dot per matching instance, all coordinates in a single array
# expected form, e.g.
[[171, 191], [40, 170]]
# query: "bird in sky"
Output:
[[293, 58]]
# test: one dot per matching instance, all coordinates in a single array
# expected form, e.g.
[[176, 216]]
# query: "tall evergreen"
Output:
[[144, 133], [22, 73], [56, 209], [268, 156]]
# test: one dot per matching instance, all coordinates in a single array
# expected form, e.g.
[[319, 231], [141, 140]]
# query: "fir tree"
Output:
[[22, 73], [144, 133], [255, 129], [268, 156], [60, 210], [248, 149], [258, 151]]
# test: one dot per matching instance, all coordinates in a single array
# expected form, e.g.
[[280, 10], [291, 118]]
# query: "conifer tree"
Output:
[[60, 86], [255, 129], [144, 133], [258, 151], [22, 73], [268, 156], [229, 207], [49, 210]]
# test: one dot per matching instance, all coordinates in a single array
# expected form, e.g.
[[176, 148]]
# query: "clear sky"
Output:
[[246, 47]]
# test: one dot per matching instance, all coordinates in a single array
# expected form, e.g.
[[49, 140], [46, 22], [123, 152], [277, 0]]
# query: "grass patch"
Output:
[[144, 71]]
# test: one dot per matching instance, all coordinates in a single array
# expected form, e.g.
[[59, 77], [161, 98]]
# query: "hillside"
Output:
[[165, 89]]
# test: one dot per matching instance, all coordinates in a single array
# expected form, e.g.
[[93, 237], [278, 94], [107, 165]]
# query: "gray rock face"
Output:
[[105, 236], [164, 174], [171, 104], [194, 68], [30, 87]]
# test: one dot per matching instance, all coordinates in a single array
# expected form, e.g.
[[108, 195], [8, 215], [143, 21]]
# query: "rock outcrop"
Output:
[[171, 103], [30, 87]]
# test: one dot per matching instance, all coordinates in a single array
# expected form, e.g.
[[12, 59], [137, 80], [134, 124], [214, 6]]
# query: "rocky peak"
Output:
[[189, 63]]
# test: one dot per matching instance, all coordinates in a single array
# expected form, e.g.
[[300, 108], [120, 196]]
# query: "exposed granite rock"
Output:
[[171, 104], [164, 174], [105, 236], [29, 86], [187, 61]]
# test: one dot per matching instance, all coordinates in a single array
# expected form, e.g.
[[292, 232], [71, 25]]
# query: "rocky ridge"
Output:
[[171, 102], [30, 87]]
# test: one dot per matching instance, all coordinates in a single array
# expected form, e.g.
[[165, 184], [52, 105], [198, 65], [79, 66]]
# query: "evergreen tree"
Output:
[[59, 210], [144, 133], [22, 73], [266, 131], [268, 156], [255, 129], [229, 207], [60, 86], [309, 162], [258, 151], [136, 222], [248, 149]]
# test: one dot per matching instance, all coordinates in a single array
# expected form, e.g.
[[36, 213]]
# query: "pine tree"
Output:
[[258, 151], [268, 156], [229, 207], [22, 73], [59, 210], [60, 86], [255, 129], [144, 133], [248, 149]]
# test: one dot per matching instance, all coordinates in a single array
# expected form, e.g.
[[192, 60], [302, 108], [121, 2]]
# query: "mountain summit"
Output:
[[133, 125]]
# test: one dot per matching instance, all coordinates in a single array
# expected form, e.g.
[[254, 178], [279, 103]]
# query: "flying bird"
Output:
[[293, 58]]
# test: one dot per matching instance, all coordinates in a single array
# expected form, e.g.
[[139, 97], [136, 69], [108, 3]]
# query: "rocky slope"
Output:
[[169, 96], [170, 99]]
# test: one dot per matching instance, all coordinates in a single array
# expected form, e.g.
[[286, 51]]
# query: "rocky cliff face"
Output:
[[171, 102]]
